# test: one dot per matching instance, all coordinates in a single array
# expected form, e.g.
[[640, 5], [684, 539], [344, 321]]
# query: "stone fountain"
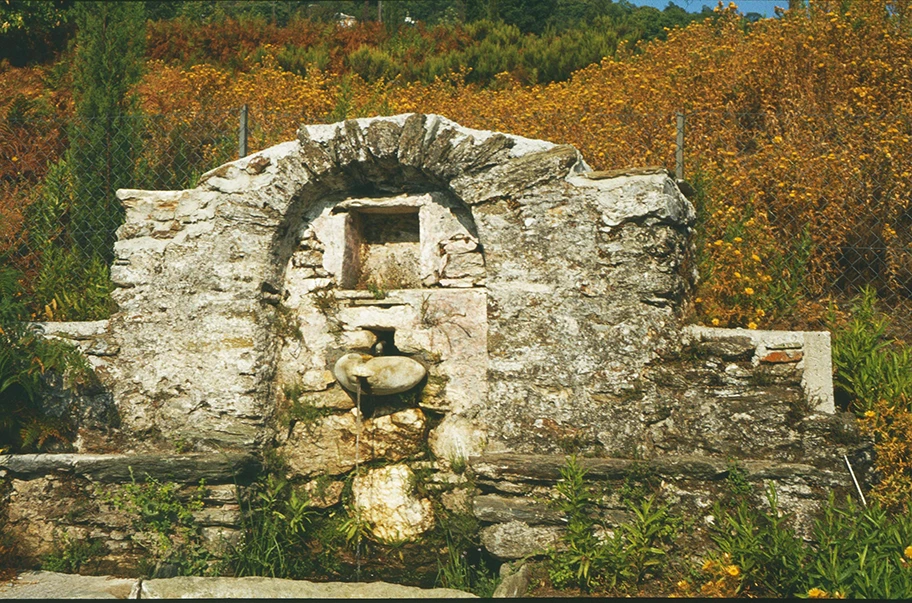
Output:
[[436, 297]]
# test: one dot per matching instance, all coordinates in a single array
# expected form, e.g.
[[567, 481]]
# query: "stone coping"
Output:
[[816, 361], [547, 468], [222, 467]]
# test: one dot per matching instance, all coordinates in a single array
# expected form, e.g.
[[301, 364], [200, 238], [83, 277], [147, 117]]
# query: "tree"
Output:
[[104, 137], [33, 30]]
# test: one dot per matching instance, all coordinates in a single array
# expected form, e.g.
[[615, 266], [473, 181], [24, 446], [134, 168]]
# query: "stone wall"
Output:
[[542, 302], [50, 499]]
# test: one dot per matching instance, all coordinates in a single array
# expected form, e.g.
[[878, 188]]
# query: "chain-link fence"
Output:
[[794, 209]]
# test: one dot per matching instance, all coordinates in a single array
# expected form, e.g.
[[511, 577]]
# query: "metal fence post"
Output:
[[679, 148], [242, 133]]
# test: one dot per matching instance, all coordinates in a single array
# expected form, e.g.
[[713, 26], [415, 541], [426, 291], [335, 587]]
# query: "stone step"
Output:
[[52, 585]]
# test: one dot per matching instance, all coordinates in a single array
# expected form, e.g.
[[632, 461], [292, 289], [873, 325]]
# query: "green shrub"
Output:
[[462, 567], [854, 552], [634, 553], [459, 573], [70, 555], [72, 283], [275, 524], [862, 553], [762, 544], [165, 525], [26, 359], [868, 366], [372, 64]]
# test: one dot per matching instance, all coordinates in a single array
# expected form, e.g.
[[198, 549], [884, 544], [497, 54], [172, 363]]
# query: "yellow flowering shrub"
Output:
[[797, 131], [722, 578], [891, 426]]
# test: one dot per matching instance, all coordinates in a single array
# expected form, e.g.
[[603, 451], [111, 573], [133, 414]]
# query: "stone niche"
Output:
[[542, 302], [388, 275]]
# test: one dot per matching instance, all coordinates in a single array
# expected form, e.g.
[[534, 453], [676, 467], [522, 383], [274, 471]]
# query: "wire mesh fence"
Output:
[[793, 208]]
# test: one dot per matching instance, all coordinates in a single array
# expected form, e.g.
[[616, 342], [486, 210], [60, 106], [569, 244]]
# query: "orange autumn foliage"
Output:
[[797, 133]]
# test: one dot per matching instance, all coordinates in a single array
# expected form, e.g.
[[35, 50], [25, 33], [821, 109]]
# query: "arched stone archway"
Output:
[[581, 278]]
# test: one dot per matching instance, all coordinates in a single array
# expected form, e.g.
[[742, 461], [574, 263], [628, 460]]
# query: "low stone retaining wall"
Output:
[[52, 498]]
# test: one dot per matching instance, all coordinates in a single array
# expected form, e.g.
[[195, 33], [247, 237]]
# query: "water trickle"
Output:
[[357, 473]]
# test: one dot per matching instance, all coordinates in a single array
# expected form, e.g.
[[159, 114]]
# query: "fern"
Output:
[[26, 359]]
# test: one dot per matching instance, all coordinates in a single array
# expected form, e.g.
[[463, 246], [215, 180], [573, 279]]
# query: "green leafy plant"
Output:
[[736, 480], [869, 366], [27, 359], [640, 482], [586, 556], [862, 553], [165, 524], [355, 529], [71, 554], [300, 408], [463, 567], [762, 545], [275, 524], [853, 552], [646, 540], [635, 552], [460, 573]]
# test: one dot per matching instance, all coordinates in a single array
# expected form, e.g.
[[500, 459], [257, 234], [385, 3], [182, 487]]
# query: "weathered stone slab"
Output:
[[276, 588], [516, 540], [215, 468], [547, 468], [492, 508], [52, 585]]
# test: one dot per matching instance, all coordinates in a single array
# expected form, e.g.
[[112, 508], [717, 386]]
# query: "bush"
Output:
[[26, 359], [761, 546], [868, 366], [862, 553], [275, 525], [165, 526], [854, 552], [890, 424], [634, 553]]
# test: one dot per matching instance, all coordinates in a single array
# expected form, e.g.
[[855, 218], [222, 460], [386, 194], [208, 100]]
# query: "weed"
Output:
[[460, 573], [635, 552], [585, 556], [463, 567], [770, 558], [869, 367], [376, 290], [70, 554], [300, 408], [857, 553], [736, 481], [275, 524], [286, 323], [646, 541], [325, 301], [458, 464], [165, 524], [640, 482], [861, 553], [355, 529]]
